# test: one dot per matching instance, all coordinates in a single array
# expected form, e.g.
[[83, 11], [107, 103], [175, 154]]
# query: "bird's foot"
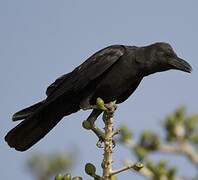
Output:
[[89, 124], [100, 143]]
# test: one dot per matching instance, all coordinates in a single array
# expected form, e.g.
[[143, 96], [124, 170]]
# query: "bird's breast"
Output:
[[119, 80]]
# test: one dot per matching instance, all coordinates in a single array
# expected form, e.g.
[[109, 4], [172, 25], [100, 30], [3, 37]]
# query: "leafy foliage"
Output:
[[181, 132]]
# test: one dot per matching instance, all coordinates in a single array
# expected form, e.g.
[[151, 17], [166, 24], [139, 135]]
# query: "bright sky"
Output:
[[43, 39]]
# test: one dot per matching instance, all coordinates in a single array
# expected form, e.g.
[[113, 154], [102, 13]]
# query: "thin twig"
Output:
[[145, 172], [122, 170], [136, 167]]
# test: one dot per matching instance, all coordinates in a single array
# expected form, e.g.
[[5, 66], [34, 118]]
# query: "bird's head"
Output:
[[161, 57]]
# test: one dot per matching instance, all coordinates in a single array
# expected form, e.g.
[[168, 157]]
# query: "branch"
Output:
[[108, 141], [145, 172], [184, 148], [136, 167], [106, 137]]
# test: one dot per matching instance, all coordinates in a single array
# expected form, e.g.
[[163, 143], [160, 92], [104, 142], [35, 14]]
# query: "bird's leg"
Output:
[[94, 115], [85, 104], [97, 110], [90, 125]]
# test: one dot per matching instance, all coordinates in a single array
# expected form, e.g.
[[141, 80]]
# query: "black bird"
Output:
[[112, 73]]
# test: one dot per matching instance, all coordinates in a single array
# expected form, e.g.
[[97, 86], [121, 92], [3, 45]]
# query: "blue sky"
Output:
[[43, 39]]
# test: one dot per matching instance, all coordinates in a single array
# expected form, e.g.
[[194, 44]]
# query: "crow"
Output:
[[112, 73]]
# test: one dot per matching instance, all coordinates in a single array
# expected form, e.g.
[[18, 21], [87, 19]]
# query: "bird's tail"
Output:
[[24, 113], [38, 121]]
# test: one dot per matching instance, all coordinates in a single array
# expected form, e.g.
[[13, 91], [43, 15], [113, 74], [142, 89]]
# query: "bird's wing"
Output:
[[96, 65], [81, 76], [52, 87]]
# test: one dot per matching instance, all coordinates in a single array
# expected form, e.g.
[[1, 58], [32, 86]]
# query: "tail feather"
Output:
[[29, 132], [36, 125], [24, 113]]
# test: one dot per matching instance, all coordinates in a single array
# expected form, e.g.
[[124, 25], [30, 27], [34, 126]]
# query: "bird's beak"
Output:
[[180, 64]]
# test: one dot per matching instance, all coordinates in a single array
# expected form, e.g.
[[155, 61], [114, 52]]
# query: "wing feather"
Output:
[[52, 87], [97, 64], [81, 76]]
